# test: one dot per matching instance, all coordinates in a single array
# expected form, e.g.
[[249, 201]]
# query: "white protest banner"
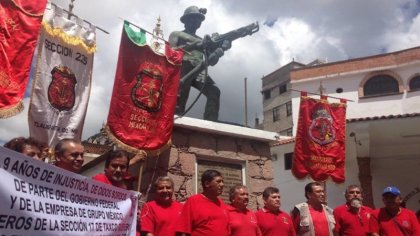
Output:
[[41, 199]]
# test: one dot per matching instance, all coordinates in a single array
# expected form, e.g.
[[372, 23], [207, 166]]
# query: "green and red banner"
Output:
[[20, 22], [320, 140], [141, 114]]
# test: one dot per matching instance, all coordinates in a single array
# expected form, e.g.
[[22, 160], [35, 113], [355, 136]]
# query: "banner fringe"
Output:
[[11, 111], [131, 149], [75, 41]]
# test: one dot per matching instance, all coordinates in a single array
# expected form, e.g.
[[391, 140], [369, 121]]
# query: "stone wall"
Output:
[[188, 146]]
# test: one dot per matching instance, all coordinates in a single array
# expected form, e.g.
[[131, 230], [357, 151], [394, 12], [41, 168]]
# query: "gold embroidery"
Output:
[[5, 81]]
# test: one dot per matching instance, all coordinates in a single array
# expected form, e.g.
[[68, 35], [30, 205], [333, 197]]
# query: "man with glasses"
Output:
[[352, 218], [69, 155]]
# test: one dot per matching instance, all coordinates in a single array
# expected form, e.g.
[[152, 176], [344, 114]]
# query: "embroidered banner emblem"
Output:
[[61, 91], [321, 130], [147, 92]]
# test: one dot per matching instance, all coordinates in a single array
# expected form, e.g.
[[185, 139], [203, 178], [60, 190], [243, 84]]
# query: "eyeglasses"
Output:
[[76, 154], [354, 192]]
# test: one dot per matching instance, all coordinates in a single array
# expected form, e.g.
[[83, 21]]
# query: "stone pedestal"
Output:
[[241, 154]]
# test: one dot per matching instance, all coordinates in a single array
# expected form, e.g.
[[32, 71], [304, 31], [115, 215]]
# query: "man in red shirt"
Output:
[[313, 217], [158, 217], [205, 213], [271, 220], [116, 166], [393, 220], [242, 221], [352, 219], [69, 155]]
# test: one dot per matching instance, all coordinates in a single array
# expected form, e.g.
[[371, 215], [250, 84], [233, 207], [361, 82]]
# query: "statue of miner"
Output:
[[193, 63], [199, 53]]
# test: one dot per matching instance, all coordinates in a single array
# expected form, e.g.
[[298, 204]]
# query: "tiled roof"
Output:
[[284, 141], [385, 117]]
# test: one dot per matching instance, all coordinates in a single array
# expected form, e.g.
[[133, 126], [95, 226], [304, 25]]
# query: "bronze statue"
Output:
[[199, 53]]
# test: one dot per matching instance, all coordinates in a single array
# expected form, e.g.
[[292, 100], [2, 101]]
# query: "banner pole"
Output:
[[321, 94], [140, 175]]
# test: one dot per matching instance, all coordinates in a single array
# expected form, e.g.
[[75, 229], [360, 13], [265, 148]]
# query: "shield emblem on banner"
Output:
[[147, 92], [321, 129], [61, 91]]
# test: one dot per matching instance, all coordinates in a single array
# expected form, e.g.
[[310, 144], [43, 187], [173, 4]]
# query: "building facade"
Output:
[[383, 126], [277, 100]]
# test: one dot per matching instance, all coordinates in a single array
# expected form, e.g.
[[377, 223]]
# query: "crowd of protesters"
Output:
[[207, 214]]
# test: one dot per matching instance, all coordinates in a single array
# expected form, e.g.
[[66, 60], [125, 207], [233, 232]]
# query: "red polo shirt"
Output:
[[404, 224], [160, 220], [203, 217], [102, 178], [349, 223], [275, 224], [242, 223]]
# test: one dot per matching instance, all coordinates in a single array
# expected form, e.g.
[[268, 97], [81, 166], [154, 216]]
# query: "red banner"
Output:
[[320, 140], [141, 113], [20, 22]]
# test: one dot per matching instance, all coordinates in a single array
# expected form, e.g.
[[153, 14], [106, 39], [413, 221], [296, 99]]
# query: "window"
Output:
[[274, 157], [289, 108], [267, 94], [415, 83], [287, 132], [282, 88], [381, 84], [276, 114], [288, 160]]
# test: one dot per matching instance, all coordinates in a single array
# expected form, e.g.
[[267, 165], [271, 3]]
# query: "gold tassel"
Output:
[[131, 149], [11, 111], [75, 41]]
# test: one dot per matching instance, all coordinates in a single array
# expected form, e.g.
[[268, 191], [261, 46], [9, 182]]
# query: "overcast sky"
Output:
[[303, 30]]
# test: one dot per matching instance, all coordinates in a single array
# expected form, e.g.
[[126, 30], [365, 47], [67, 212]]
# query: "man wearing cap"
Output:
[[393, 220], [352, 219], [193, 61]]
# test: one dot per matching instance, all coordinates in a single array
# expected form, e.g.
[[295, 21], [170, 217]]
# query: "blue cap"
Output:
[[392, 190]]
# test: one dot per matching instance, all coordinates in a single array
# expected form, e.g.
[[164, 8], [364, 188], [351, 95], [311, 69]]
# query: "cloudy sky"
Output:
[[300, 30]]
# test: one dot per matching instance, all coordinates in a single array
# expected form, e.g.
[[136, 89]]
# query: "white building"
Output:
[[383, 126]]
